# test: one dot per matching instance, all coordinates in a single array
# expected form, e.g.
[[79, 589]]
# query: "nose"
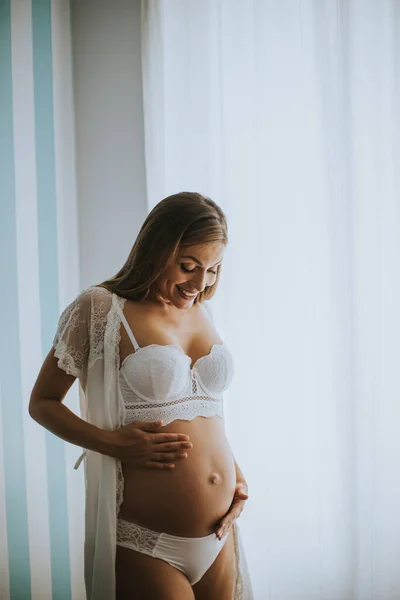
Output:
[[200, 280]]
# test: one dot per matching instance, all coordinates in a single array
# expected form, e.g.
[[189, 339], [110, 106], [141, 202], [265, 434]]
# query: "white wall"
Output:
[[112, 204]]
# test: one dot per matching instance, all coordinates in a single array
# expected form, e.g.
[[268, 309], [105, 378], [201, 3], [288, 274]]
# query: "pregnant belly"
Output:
[[190, 499]]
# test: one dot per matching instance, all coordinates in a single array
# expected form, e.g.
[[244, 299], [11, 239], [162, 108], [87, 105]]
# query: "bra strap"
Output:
[[128, 329]]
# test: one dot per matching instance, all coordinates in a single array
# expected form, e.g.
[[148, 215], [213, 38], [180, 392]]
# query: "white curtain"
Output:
[[288, 115]]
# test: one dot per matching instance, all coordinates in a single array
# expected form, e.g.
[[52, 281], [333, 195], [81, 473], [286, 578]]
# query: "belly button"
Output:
[[214, 478]]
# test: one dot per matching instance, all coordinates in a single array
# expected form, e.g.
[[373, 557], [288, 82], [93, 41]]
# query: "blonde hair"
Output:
[[183, 219]]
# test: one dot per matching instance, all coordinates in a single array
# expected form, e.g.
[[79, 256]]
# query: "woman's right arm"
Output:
[[140, 444], [47, 408]]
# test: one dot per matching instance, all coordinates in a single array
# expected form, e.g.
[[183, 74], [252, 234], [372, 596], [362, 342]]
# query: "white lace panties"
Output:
[[192, 556]]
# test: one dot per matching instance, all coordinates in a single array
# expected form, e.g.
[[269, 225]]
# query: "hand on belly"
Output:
[[192, 498]]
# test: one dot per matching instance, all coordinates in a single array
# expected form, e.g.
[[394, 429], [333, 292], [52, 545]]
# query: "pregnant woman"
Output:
[[163, 490]]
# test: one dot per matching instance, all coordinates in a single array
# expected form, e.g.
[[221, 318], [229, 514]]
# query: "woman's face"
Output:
[[193, 270]]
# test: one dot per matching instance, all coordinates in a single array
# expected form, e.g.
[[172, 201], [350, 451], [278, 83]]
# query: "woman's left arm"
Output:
[[237, 505]]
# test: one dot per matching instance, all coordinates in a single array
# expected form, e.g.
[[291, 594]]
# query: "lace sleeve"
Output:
[[72, 339], [79, 340]]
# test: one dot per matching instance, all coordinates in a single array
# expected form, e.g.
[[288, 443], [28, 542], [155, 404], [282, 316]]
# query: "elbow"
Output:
[[38, 406], [31, 409], [34, 405]]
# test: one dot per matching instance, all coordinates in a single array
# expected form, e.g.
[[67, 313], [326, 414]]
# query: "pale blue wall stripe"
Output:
[[10, 363], [48, 280]]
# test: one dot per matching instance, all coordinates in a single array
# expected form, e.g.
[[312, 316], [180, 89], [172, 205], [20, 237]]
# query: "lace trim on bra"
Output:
[[130, 406], [187, 409], [184, 412]]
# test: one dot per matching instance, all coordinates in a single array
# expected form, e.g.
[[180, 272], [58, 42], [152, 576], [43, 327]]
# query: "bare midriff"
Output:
[[190, 499]]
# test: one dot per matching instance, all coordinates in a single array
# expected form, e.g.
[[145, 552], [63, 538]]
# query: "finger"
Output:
[[239, 498], [159, 465], [147, 426], [241, 495], [167, 456], [223, 530], [174, 446], [224, 522], [234, 513], [237, 507], [161, 438], [235, 503]]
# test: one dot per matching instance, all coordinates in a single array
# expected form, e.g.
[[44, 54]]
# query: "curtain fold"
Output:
[[287, 114]]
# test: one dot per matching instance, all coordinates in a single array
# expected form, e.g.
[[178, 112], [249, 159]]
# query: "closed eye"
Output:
[[192, 270]]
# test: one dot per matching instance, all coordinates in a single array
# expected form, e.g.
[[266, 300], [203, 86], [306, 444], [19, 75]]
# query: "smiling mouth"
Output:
[[185, 293]]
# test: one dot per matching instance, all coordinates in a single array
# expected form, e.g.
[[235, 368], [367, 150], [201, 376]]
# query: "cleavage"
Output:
[[127, 349], [192, 336]]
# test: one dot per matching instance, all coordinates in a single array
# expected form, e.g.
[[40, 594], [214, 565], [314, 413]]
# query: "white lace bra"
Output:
[[157, 382]]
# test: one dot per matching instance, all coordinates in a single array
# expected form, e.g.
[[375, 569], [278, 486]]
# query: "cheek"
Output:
[[174, 275]]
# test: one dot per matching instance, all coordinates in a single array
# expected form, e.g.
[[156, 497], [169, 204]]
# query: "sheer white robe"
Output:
[[87, 346]]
